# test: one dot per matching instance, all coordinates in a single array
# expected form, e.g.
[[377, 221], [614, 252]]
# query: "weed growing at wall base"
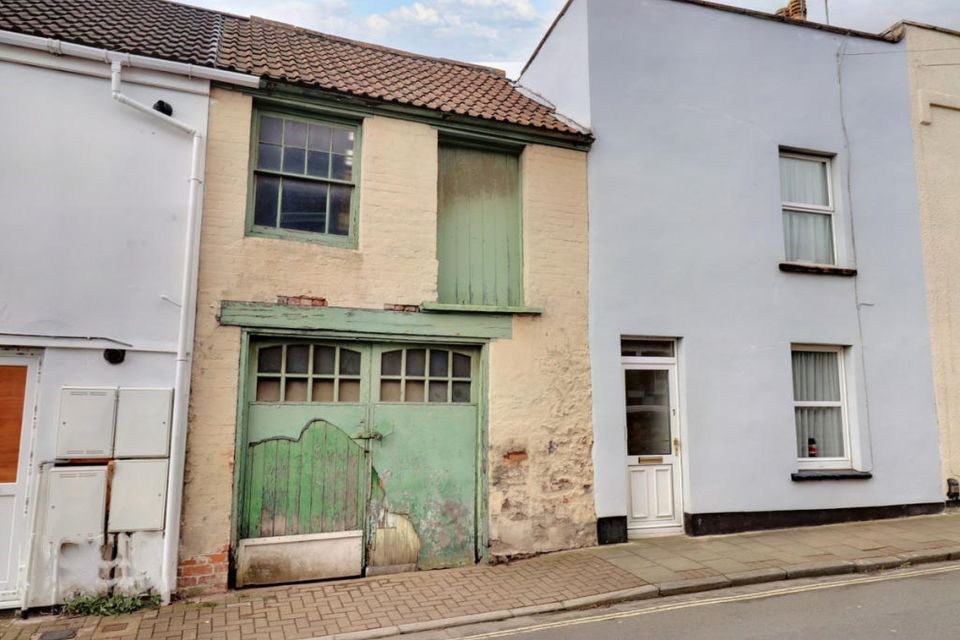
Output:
[[81, 604]]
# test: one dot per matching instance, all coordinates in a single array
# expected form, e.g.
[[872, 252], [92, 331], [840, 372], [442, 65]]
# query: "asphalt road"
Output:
[[917, 603]]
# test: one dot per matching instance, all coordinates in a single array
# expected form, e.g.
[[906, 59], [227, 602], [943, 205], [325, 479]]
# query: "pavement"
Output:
[[427, 600], [918, 602]]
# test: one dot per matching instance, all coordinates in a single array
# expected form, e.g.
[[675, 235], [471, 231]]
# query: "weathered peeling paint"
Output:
[[126, 563], [314, 483], [395, 543], [538, 387], [428, 471]]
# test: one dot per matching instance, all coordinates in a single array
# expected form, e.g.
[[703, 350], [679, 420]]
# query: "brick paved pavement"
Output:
[[318, 609]]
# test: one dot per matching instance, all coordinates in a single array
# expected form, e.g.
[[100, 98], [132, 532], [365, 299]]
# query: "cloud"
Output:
[[501, 32], [486, 30], [414, 14]]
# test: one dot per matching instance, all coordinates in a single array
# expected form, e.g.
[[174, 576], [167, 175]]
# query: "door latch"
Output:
[[676, 446], [373, 434]]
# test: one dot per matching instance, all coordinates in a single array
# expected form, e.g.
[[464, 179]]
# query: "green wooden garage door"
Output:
[[378, 439]]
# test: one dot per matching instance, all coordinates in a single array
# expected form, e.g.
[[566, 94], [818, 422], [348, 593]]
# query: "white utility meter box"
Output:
[[76, 502], [138, 495], [143, 423], [86, 422]]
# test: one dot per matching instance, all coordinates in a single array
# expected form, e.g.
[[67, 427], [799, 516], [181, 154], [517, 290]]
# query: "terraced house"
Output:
[[391, 365], [783, 376], [100, 172], [935, 98], [390, 369], [321, 309]]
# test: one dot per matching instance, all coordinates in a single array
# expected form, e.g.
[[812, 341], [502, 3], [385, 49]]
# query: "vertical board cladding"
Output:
[[933, 59], [539, 395], [478, 227], [314, 484]]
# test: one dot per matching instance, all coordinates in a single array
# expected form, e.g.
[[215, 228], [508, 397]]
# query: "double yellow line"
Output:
[[710, 601]]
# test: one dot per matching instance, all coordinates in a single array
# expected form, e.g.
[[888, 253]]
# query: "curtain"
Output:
[[816, 378], [825, 426], [808, 237], [804, 181]]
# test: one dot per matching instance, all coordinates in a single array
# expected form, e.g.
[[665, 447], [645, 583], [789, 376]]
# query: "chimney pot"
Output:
[[795, 10]]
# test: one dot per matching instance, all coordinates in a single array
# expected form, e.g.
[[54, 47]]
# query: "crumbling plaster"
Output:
[[539, 380]]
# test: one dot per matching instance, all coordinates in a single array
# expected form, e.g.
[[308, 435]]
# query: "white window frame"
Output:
[[846, 461], [800, 207]]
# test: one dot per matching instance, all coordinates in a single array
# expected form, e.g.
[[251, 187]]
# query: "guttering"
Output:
[[61, 48]]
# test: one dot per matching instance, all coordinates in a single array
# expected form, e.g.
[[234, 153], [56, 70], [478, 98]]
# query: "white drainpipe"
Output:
[[188, 289], [188, 293]]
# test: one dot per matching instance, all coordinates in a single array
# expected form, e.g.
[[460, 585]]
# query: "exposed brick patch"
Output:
[[515, 456], [408, 308], [302, 301], [204, 573]]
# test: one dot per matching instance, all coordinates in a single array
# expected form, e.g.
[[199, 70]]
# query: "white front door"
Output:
[[17, 379], [653, 447]]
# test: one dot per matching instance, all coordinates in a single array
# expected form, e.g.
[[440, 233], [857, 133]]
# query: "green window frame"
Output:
[[308, 372], [426, 374], [303, 178]]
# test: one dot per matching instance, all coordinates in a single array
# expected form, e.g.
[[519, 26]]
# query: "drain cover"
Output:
[[62, 634]]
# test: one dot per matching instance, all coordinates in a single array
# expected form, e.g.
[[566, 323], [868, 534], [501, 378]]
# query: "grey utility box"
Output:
[[143, 423]]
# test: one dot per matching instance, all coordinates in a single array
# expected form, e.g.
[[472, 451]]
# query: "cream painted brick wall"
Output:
[[395, 263], [933, 64], [539, 398]]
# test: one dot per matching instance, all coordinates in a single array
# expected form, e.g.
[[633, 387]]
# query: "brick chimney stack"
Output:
[[795, 10]]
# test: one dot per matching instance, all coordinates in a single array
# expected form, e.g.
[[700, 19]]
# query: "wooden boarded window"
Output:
[[13, 383], [478, 227]]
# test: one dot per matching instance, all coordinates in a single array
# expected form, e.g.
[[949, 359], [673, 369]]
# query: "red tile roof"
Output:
[[172, 31], [144, 27]]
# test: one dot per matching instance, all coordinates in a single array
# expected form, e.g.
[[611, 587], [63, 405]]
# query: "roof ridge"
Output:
[[753, 13], [369, 45], [195, 7]]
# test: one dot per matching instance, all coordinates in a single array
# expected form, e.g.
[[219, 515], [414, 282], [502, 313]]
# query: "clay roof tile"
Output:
[[281, 52]]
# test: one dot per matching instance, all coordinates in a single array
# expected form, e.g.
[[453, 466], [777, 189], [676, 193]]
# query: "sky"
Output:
[[503, 33]]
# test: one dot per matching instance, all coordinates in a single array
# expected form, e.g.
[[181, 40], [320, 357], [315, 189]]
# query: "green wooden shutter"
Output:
[[478, 228]]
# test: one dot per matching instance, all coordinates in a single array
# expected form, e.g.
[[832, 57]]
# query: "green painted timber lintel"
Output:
[[258, 315], [447, 307]]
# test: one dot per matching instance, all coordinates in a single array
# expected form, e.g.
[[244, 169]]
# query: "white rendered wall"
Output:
[[560, 71], [94, 205], [93, 226], [690, 106]]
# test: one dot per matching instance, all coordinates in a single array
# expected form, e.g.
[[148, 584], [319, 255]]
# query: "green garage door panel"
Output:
[[478, 227], [334, 479], [426, 472], [315, 483]]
